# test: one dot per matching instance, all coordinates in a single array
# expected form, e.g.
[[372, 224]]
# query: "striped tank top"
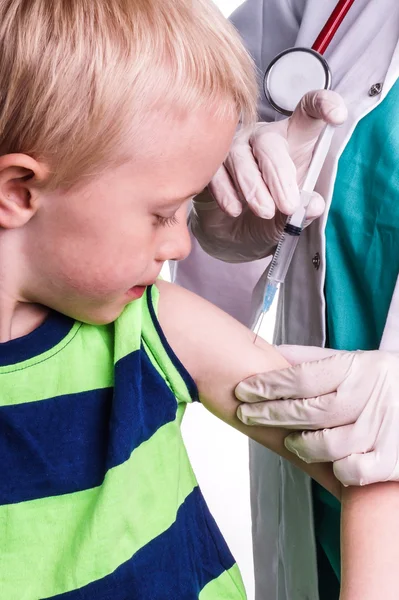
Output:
[[98, 500]]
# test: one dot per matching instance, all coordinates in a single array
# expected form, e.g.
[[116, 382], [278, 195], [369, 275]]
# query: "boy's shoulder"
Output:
[[63, 356], [66, 358]]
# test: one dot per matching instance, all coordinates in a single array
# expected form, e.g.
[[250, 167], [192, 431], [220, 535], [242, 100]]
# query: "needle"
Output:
[[259, 326]]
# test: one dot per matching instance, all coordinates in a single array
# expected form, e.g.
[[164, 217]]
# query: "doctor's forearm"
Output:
[[370, 542]]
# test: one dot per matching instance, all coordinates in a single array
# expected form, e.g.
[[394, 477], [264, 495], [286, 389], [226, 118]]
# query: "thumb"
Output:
[[315, 110], [315, 208]]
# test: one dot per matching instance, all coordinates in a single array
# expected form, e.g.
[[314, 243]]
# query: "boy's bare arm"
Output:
[[219, 352], [370, 542]]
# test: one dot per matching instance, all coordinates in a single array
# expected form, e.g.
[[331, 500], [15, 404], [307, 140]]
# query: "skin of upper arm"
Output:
[[219, 352], [369, 542]]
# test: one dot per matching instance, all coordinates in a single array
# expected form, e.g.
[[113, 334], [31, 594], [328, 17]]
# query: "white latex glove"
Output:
[[266, 166], [259, 182], [348, 402]]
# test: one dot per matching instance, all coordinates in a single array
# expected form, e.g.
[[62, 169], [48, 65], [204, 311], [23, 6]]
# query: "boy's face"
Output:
[[89, 251]]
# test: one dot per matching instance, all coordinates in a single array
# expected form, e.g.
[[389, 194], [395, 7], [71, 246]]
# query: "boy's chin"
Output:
[[104, 317], [99, 316], [95, 312]]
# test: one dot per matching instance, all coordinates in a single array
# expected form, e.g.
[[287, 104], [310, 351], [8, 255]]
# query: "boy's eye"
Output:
[[164, 221]]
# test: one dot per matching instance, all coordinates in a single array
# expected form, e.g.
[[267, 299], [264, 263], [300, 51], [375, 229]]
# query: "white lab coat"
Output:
[[365, 51]]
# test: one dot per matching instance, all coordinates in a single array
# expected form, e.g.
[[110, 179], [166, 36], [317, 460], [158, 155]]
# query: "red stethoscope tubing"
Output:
[[327, 33]]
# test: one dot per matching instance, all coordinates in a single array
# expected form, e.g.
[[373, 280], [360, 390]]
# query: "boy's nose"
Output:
[[177, 245]]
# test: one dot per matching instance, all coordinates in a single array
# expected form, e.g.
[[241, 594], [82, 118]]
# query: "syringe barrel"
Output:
[[285, 249], [289, 239], [288, 242]]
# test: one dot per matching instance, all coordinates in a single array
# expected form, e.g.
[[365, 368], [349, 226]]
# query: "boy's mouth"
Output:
[[136, 291]]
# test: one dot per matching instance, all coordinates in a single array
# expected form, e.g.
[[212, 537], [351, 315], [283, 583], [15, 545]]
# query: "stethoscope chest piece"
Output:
[[293, 73]]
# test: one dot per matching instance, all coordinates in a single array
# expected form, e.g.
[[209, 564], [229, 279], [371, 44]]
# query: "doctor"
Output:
[[339, 292]]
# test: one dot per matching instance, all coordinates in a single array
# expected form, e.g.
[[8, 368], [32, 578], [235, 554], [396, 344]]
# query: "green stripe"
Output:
[[58, 544], [90, 351], [227, 586], [87, 352], [128, 328]]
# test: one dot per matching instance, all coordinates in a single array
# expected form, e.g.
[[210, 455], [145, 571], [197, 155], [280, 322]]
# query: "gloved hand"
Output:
[[349, 399], [261, 178], [266, 166]]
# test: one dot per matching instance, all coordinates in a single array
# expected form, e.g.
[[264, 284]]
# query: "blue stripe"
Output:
[[66, 444], [185, 375], [42, 339], [143, 402], [176, 565]]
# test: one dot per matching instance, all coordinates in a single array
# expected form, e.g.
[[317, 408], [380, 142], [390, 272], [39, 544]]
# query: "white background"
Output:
[[219, 456], [227, 6]]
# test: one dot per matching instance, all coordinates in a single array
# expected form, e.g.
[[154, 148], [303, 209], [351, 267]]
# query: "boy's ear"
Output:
[[19, 192]]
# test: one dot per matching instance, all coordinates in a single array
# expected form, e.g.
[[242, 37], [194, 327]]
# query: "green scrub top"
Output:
[[362, 259]]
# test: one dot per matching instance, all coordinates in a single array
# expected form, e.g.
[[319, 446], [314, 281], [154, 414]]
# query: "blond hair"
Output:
[[74, 73]]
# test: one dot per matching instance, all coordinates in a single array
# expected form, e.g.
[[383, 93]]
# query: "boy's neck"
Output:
[[19, 319], [18, 316]]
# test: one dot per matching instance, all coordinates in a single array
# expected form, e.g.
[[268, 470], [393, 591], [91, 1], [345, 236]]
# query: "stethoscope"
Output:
[[296, 71]]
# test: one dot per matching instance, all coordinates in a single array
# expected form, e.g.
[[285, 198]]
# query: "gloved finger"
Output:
[[223, 191], [278, 170], [315, 208], [244, 172], [312, 413], [300, 354], [364, 469], [314, 111], [324, 445], [305, 380], [381, 463]]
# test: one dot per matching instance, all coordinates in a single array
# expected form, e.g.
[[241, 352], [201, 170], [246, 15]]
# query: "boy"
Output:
[[112, 116]]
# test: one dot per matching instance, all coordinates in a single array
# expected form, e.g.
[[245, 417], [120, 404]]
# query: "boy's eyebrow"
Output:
[[183, 198]]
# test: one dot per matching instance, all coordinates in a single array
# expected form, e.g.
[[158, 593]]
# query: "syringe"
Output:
[[294, 225]]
